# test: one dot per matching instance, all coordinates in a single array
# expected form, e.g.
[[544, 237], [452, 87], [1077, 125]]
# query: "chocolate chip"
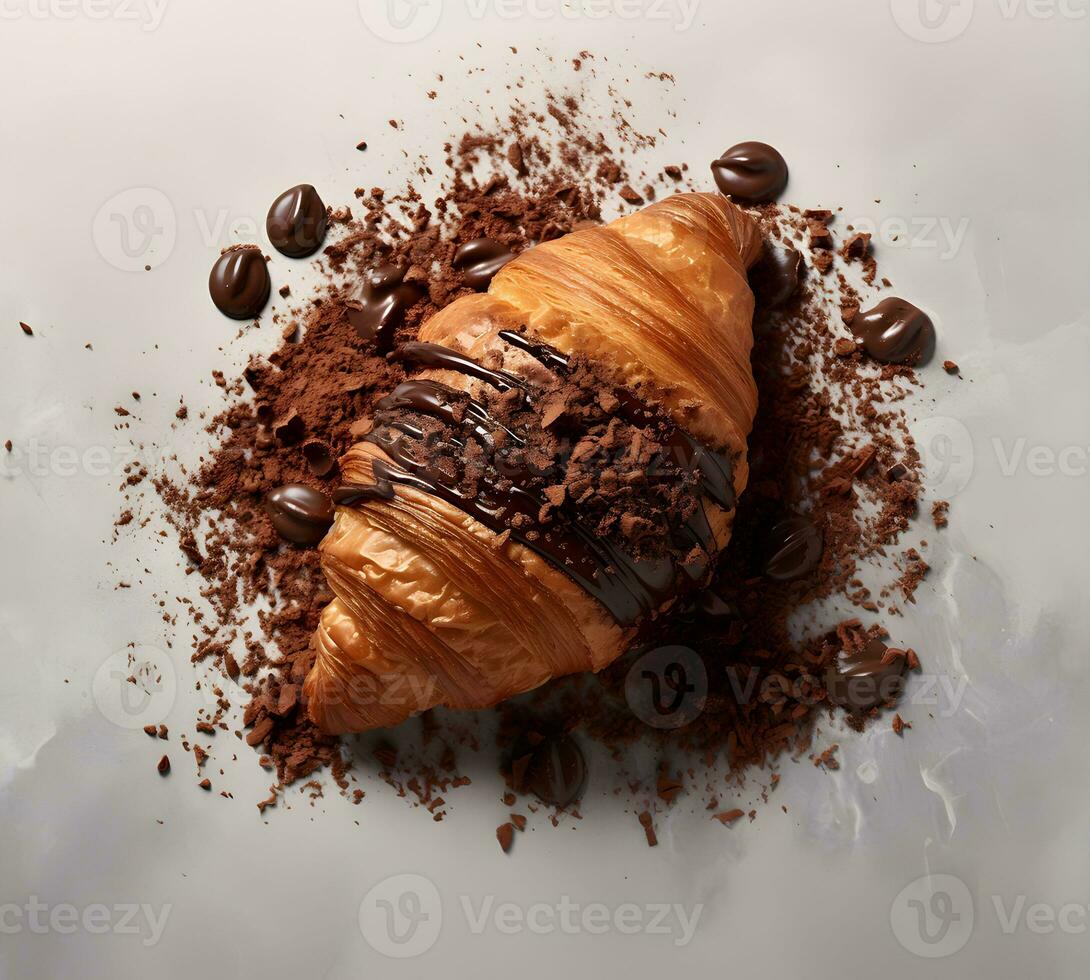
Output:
[[774, 278], [480, 260], [793, 547], [299, 513], [239, 282], [856, 247], [164, 766], [517, 159], [556, 770], [25, 327], [751, 173], [895, 332], [297, 221], [863, 679]]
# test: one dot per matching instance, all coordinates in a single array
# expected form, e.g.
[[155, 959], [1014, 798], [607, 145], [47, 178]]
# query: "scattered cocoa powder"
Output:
[[827, 437]]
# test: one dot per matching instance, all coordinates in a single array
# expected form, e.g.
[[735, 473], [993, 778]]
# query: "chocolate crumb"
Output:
[[728, 817]]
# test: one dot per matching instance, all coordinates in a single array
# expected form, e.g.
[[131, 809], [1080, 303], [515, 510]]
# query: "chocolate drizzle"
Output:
[[632, 589]]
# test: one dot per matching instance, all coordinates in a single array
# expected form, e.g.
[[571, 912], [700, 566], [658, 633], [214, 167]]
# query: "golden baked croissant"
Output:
[[464, 598]]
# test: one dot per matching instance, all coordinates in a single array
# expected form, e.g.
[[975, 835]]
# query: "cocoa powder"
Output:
[[828, 434]]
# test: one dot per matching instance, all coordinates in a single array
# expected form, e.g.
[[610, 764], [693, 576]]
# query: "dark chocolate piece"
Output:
[[556, 772], [895, 332], [866, 678], [751, 173], [297, 222], [794, 549], [239, 282], [479, 260], [775, 276], [299, 513]]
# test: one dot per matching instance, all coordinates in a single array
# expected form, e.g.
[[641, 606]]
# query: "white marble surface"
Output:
[[968, 123]]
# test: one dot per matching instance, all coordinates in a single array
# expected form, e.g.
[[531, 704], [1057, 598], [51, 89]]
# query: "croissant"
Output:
[[464, 597]]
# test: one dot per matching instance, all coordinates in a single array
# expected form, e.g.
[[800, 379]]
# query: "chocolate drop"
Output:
[[774, 278], [480, 260], [860, 681], [239, 282], [384, 299], [751, 173], [895, 332], [299, 513], [556, 772], [794, 548], [297, 222]]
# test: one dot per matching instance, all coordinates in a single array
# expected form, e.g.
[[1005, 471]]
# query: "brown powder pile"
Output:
[[829, 442]]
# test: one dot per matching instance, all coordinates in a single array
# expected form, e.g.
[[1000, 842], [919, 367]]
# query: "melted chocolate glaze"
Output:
[[632, 590], [383, 301]]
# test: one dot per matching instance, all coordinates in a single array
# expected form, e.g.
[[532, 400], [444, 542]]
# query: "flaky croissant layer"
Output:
[[438, 600]]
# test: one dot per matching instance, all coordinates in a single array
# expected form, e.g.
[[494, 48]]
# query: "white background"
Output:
[[220, 106]]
